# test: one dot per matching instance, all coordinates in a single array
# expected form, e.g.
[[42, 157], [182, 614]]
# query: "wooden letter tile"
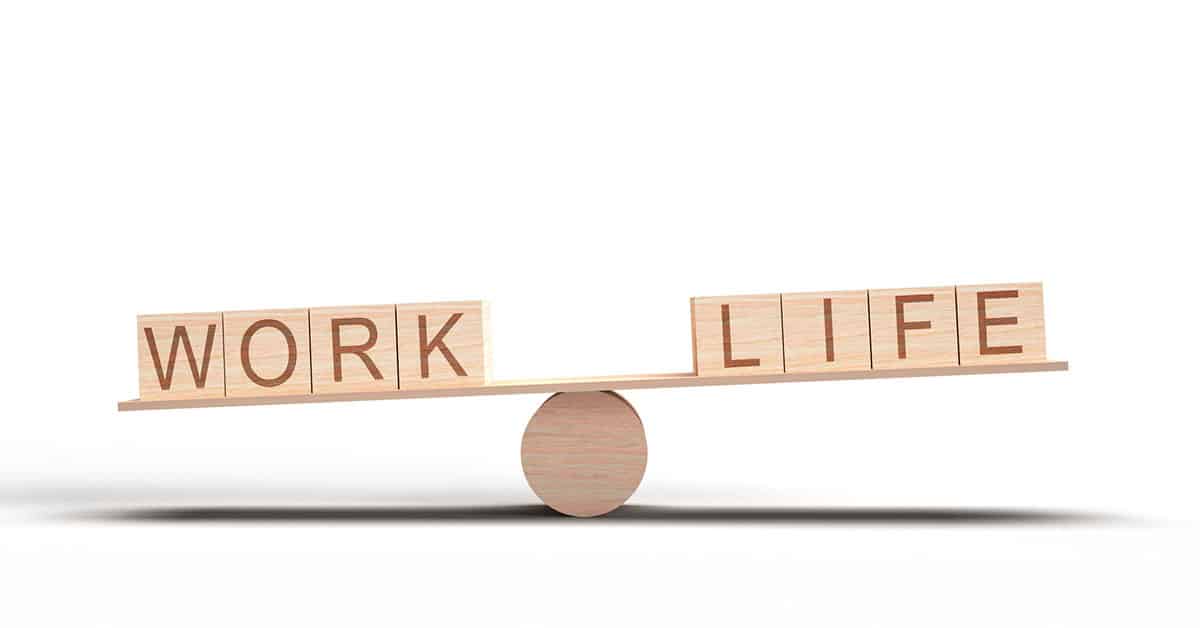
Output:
[[913, 327], [1001, 323], [353, 348], [826, 331], [179, 356], [267, 353], [442, 345], [737, 335]]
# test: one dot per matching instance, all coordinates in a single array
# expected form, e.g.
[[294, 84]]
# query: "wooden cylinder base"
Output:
[[584, 453]]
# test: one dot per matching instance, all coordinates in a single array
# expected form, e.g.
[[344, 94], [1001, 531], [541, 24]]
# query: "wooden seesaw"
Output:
[[584, 450]]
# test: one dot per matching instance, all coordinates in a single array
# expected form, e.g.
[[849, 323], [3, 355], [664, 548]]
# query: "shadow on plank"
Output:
[[630, 514]]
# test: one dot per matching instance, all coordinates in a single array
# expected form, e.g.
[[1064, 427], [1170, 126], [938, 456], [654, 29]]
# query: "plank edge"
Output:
[[620, 382]]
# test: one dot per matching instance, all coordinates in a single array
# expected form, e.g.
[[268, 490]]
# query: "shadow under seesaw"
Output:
[[630, 514]]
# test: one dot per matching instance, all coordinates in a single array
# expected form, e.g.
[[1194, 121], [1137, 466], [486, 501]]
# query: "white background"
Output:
[[587, 167]]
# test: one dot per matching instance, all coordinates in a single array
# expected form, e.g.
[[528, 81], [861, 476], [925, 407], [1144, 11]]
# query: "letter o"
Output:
[[291, 343]]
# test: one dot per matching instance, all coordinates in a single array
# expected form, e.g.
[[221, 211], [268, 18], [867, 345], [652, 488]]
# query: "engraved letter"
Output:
[[981, 303], [291, 343], [727, 340], [438, 342], [199, 375], [903, 326], [359, 350], [829, 330]]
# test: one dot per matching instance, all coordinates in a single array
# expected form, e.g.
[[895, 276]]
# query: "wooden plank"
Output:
[[737, 335], [616, 382], [1001, 323]]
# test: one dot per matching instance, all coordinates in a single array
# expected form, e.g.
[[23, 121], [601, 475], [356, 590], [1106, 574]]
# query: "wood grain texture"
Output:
[[813, 342], [180, 356], [1009, 317], [353, 348], [737, 335], [584, 453], [267, 353], [453, 349], [600, 383], [913, 327]]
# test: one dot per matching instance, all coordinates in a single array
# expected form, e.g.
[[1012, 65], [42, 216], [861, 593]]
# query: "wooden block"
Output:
[[826, 331], [737, 335], [268, 353], [1001, 323], [584, 453], [180, 356], [353, 348], [442, 345], [913, 327]]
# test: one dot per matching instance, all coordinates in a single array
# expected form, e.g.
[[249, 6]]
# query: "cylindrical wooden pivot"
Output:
[[584, 453]]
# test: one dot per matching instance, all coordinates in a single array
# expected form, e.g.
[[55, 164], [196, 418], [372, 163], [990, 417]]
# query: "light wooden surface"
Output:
[[583, 384], [364, 354], [267, 353], [912, 327], [1009, 316], [452, 351], [179, 356], [737, 335], [584, 453], [826, 331]]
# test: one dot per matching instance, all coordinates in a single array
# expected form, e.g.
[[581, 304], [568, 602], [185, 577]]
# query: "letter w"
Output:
[[200, 375]]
